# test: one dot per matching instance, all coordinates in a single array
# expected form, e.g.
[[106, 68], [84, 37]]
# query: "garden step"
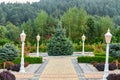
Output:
[[87, 68], [32, 68], [92, 68]]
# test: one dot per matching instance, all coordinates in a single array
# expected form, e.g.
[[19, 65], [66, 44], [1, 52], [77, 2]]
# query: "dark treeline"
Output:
[[18, 13], [78, 17]]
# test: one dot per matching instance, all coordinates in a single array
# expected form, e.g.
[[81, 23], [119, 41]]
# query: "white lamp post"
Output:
[[38, 39], [22, 36], [108, 37], [83, 39]]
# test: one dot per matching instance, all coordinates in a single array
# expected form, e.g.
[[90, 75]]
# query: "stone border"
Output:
[[39, 71]]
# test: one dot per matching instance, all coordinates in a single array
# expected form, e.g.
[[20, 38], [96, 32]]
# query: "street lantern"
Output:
[[108, 37], [83, 39], [38, 39], [22, 36]]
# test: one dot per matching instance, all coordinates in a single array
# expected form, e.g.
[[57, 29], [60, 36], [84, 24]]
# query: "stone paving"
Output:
[[59, 68]]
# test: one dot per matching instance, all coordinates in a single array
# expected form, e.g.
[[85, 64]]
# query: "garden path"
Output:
[[59, 68]]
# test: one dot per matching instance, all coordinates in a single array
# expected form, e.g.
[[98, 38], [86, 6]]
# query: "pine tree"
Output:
[[59, 44]]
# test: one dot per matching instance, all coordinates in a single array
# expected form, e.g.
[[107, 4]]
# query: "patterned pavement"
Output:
[[59, 68]]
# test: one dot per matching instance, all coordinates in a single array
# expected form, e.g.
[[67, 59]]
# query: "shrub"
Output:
[[89, 59], [43, 48], [78, 47], [113, 77], [59, 44], [115, 51], [8, 52], [99, 48], [99, 54], [7, 64], [6, 75], [16, 67], [31, 60], [4, 41], [100, 66]]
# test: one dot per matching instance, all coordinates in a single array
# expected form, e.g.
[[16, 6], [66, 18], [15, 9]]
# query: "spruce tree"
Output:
[[59, 44]]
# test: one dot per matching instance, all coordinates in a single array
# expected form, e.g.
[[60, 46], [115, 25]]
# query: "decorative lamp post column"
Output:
[[83, 39], [38, 39], [22, 36], [108, 37]]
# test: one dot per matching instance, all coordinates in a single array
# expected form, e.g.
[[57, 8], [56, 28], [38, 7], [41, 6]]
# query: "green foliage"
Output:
[[59, 44], [88, 59], [115, 50], [74, 21], [4, 41], [99, 48], [8, 52], [31, 60], [43, 48], [87, 47], [3, 30], [41, 24], [12, 32]]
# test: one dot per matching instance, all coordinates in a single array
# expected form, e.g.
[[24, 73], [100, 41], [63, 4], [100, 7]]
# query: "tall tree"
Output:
[[12, 32], [91, 29], [40, 24]]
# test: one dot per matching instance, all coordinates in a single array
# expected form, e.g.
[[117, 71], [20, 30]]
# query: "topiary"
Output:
[[59, 44], [6, 75]]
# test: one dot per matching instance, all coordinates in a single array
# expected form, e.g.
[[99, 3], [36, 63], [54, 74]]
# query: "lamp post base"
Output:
[[22, 70]]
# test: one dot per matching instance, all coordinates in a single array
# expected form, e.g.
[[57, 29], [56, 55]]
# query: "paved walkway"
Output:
[[59, 68]]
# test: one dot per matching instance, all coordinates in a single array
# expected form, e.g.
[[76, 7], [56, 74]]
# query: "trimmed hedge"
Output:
[[31, 60], [88, 59]]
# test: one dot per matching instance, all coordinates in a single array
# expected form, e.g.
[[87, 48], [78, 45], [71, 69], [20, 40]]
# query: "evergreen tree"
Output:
[[59, 44]]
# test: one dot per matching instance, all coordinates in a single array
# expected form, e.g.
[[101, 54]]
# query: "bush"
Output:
[[115, 50], [31, 60], [59, 44], [100, 66], [4, 41], [113, 77], [89, 59], [7, 64], [6, 75], [99, 48], [8, 52], [43, 48], [99, 54], [16, 67], [78, 47]]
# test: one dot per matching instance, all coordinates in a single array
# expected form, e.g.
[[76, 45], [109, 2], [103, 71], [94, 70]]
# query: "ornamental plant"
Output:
[[8, 53], [115, 51], [59, 44], [6, 75]]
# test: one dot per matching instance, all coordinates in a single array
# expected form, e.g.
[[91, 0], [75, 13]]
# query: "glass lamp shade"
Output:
[[38, 37], [22, 36], [108, 36], [83, 37]]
